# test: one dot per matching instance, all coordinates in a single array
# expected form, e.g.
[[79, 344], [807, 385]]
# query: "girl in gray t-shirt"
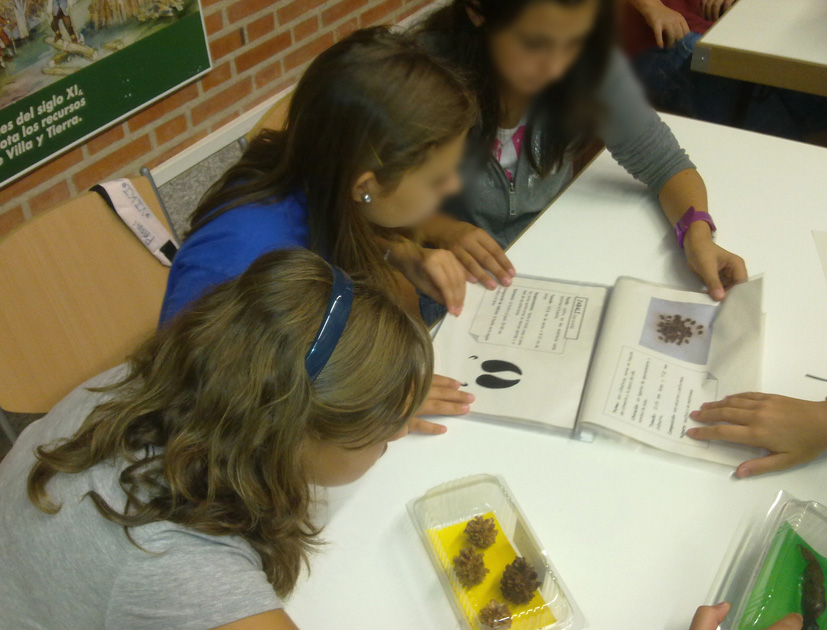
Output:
[[176, 491]]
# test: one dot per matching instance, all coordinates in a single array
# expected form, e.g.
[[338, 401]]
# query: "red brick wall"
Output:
[[258, 48]]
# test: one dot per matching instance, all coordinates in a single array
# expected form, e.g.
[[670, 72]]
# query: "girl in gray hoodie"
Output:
[[548, 80]]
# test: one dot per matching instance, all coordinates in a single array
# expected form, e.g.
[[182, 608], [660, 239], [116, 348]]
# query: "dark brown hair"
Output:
[[566, 110], [214, 415], [376, 101]]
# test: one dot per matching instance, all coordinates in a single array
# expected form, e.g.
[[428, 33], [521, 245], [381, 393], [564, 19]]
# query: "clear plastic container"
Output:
[[762, 571], [447, 507]]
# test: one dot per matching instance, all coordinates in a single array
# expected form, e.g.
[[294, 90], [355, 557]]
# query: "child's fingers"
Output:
[[489, 262], [738, 270], [677, 33], [440, 278], [453, 285], [710, 617], [732, 415], [673, 36], [727, 402], [707, 9], [770, 463], [473, 267], [715, 404], [668, 36], [449, 394], [708, 271], [459, 279], [418, 425], [427, 286], [793, 621], [732, 402], [658, 31], [443, 381], [437, 407], [495, 250], [725, 433], [751, 396]]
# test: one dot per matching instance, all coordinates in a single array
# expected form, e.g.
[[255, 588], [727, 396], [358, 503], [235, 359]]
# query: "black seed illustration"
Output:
[[495, 382], [494, 365]]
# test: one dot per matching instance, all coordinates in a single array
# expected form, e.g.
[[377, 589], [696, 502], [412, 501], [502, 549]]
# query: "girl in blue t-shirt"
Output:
[[374, 134]]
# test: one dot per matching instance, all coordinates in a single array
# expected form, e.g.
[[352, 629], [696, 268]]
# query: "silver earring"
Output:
[[367, 198]]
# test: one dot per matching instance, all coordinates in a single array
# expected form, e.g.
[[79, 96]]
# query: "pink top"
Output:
[[507, 147]]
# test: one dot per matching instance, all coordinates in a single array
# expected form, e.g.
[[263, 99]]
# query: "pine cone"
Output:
[[495, 616], [519, 582], [481, 532], [469, 567]]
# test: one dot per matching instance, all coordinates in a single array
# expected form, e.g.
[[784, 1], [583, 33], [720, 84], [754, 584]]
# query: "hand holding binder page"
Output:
[[524, 351]]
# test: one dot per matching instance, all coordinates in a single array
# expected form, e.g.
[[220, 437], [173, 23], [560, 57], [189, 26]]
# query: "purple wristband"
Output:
[[689, 217]]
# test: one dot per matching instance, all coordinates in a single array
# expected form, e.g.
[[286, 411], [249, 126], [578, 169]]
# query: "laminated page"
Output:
[[664, 352], [820, 239], [523, 350]]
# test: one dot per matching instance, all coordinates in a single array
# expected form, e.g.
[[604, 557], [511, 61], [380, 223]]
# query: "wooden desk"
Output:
[[637, 536], [782, 44]]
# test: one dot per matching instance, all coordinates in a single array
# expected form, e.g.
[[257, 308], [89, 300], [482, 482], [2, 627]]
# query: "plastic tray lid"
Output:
[[459, 501], [749, 548]]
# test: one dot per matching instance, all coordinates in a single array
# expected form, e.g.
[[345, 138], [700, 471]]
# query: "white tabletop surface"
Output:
[[796, 29], [637, 536]]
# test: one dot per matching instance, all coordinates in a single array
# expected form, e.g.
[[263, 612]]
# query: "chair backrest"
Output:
[[273, 118], [78, 292]]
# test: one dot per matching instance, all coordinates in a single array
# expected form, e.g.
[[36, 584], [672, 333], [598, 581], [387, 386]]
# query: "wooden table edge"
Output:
[[763, 68]]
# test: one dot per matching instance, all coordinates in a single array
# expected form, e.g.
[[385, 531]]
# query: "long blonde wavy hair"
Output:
[[215, 412]]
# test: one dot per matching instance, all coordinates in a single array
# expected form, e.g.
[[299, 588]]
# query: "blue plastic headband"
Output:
[[333, 324]]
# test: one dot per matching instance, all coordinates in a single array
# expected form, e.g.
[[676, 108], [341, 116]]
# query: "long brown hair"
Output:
[[376, 101], [567, 110], [214, 415]]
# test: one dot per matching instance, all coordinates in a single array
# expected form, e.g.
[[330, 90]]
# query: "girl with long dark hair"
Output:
[[548, 79], [374, 134]]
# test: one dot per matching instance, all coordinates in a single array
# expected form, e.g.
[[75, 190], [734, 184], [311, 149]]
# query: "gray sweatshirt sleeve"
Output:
[[634, 133]]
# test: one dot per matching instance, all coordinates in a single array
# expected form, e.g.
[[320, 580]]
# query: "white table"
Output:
[[772, 42], [637, 536]]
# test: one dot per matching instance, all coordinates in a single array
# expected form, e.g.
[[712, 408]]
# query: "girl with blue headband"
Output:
[[179, 488]]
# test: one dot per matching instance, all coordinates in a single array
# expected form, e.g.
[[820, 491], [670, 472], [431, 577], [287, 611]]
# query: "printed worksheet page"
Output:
[[664, 352], [523, 350]]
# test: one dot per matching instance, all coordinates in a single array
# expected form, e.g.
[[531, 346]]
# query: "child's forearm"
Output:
[[682, 190]]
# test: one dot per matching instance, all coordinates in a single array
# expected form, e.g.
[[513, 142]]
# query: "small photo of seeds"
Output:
[[681, 330], [678, 330]]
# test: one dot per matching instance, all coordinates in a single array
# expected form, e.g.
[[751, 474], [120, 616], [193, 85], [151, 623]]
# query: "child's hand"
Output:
[[713, 9], [719, 269], [478, 253], [435, 272], [444, 399], [794, 431], [710, 617], [668, 25]]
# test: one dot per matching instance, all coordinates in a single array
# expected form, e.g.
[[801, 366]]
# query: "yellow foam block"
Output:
[[450, 540]]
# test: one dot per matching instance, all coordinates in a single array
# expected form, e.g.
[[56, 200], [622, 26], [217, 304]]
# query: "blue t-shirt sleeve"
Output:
[[186, 286], [227, 245]]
